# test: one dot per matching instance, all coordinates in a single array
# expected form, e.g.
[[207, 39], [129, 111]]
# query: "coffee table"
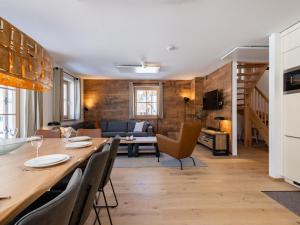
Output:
[[133, 146]]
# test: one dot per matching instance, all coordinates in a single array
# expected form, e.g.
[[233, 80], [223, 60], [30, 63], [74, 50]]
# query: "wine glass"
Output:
[[13, 132], [67, 133], [36, 142]]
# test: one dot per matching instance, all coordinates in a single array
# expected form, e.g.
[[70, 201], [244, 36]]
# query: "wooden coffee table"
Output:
[[133, 146]]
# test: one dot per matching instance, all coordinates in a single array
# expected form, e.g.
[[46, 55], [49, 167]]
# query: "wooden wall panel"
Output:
[[109, 100]]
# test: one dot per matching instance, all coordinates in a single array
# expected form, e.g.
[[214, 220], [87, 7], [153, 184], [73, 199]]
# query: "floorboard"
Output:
[[227, 192]]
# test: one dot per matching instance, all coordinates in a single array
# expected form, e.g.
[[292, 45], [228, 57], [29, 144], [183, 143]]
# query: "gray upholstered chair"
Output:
[[113, 148], [59, 209], [92, 176]]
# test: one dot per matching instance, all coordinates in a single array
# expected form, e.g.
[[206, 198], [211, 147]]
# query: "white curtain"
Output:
[[57, 95], [77, 85], [161, 101], [131, 100], [33, 112]]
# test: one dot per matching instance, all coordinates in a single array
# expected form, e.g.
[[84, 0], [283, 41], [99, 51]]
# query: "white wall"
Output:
[[234, 109], [275, 107]]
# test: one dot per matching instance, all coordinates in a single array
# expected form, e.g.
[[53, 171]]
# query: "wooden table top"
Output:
[[25, 185]]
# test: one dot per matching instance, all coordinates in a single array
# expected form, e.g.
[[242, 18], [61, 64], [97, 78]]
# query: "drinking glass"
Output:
[[67, 133], [13, 132], [36, 142]]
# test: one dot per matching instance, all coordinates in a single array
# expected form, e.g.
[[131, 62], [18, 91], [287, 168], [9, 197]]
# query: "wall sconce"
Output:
[[186, 100]]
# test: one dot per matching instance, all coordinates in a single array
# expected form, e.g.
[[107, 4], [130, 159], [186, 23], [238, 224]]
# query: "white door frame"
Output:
[[234, 109]]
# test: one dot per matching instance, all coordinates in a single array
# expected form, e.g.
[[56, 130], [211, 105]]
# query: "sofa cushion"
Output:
[[113, 134], [116, 126], [139, 126], [103, 126], [131, 125], [145, 127]]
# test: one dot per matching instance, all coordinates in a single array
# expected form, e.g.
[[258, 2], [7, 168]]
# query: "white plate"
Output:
[[81, 144], [79, 138], [47, 160]]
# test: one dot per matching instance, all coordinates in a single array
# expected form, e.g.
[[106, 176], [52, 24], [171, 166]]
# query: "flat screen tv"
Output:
[[213, 100]]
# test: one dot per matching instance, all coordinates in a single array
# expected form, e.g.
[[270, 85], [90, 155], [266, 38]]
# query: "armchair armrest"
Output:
[[168, 145]]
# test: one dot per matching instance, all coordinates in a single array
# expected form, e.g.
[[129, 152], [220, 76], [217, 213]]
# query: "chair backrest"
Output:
[[89, 187], [58, 210], [113, 149], [55, 133], [93, 133], [188, 136]]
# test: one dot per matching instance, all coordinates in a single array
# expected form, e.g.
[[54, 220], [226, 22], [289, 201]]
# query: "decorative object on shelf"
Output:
[[186, 100], [220, 118], [23, 62]]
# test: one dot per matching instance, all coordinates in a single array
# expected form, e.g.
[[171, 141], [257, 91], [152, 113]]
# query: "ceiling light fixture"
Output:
[[144, 67]]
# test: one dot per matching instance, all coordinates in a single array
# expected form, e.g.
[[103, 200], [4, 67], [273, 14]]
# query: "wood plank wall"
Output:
[[221, 80], [109, 99]]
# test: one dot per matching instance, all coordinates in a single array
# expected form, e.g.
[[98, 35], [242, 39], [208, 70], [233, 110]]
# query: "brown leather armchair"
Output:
[[184, 146]]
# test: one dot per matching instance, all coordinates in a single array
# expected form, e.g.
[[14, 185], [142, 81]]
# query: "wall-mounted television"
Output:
[[213, 100]]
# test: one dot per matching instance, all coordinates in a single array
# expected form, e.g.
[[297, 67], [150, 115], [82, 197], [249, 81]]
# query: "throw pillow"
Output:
[[138, 127]]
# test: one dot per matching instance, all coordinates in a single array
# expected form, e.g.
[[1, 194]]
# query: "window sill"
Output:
[[146, 117]]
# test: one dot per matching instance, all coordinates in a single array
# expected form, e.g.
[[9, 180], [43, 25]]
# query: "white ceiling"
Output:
[[90, 37]]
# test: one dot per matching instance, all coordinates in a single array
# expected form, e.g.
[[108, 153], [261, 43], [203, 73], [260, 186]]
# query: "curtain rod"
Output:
[[146, 82], [67, 73]]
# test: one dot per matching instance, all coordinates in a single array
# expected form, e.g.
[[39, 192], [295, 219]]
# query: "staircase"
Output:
[[251, 102]]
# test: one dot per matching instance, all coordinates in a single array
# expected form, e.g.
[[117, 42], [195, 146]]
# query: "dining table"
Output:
[[20, 186]]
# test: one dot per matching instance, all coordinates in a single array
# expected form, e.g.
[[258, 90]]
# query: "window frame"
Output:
[[148, 88], [67, 83], [16, 102]]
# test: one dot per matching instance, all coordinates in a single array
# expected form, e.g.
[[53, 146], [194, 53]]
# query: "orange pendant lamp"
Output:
[[23, 62]]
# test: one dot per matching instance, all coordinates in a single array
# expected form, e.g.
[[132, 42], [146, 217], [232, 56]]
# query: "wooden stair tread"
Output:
[[249, 74], [249, 65], [246, 81]]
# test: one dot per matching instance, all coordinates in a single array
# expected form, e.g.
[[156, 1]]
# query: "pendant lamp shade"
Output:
[[23, 62]]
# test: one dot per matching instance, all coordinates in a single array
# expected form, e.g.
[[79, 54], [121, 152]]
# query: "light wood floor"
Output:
[[227, 192]]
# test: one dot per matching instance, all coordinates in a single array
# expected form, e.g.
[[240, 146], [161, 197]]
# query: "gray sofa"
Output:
[[124, 128], [113, 128]]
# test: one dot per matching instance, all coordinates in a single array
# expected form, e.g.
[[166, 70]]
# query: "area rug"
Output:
[[289, 199], [150, 160]]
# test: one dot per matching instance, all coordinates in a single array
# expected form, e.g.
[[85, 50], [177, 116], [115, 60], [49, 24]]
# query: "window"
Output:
[[69, 97], [146, 99], [8, 110], [66, 99]]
